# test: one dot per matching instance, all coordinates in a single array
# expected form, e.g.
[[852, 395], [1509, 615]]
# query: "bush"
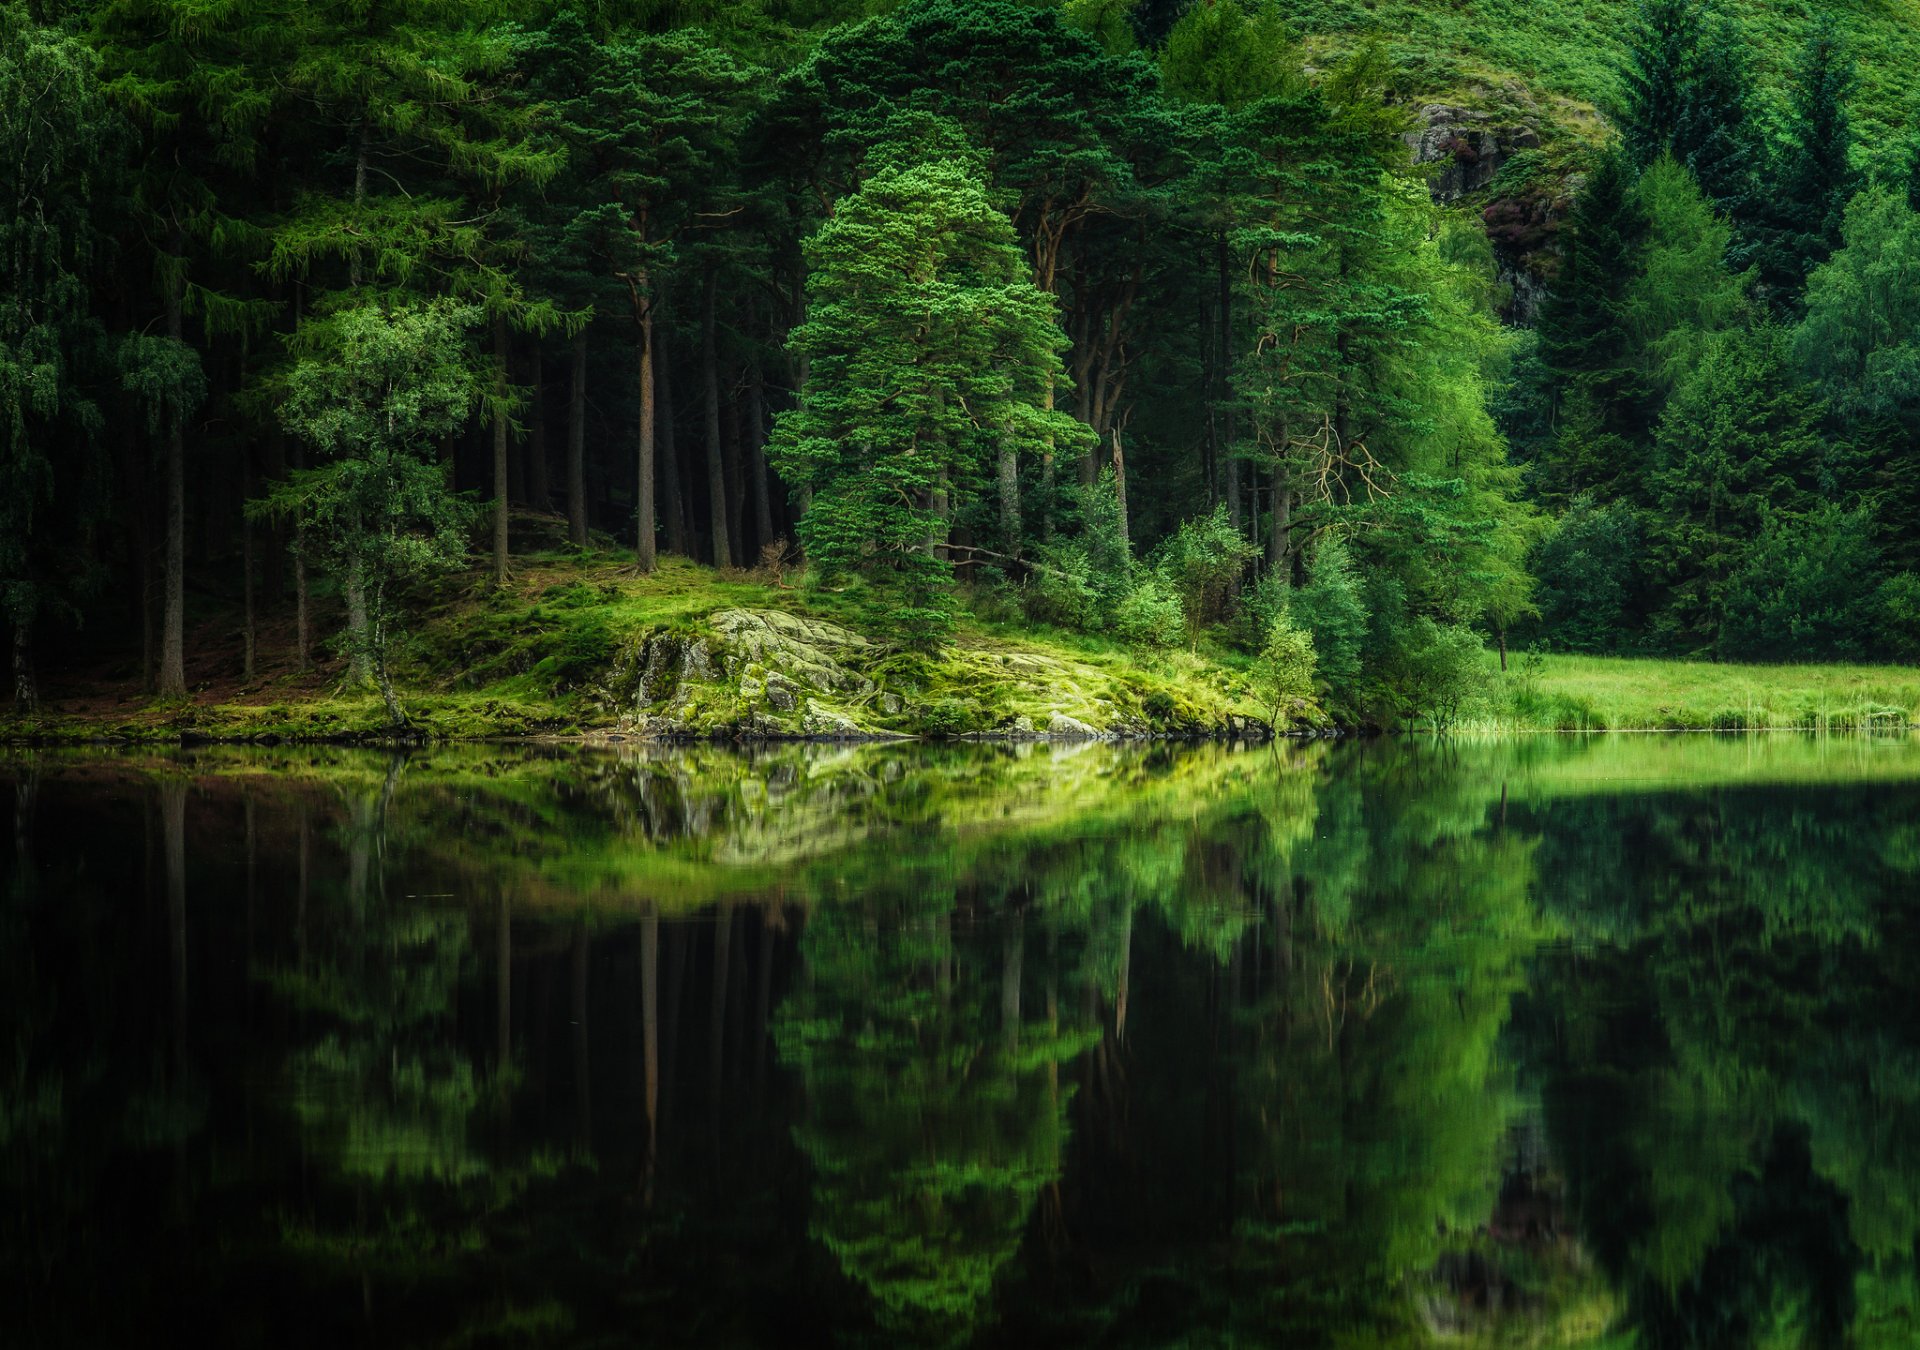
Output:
[[1060, 590], [1283, 674], [1262, 605], [1807, 589], [1445, 673], [1201, 563], [1589, 573], [1149, 614], [1332, 609]]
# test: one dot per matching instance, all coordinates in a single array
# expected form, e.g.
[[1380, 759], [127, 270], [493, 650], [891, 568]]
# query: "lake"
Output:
[[1602, 1041]]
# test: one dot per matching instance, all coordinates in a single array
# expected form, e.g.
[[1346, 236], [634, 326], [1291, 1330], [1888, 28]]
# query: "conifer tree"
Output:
[[59, 134], [928, 350], [1586, 339], [1813, 175]]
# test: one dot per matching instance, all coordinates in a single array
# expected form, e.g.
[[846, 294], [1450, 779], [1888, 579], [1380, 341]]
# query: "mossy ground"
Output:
[[535, 658]]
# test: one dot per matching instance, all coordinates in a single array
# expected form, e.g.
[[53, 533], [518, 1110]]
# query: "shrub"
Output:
[[1331, 608], [1261, 606], [1149, 614], [1589, 572], [1060, 590], [1201, 562], [1445, 672], [1283, 673]]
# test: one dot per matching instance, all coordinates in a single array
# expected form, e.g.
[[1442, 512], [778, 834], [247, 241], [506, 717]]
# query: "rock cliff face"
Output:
[[763, 674], [1466, 149]]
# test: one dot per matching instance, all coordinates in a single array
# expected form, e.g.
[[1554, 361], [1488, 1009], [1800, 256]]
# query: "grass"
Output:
[[543, 657], [1613, 693], [1574, 48]]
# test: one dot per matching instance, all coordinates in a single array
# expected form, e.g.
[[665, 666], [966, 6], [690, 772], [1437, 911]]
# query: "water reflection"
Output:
[[1557, 1042]]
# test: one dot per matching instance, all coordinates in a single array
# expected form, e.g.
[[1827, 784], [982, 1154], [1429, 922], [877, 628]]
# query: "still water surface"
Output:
[[1563, 1042]]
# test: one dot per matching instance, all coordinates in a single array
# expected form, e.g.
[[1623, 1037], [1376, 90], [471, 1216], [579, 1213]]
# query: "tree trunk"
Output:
[[173, 641], [735, 442], [577, 445], [26, 693], [1009, 483], [716, 455], [673, 504], [645, 548], [249, 633], [359, 639], [1280, 520], [539, 486], [500, 492], [1229, 463], [757, 457], [1120, 488]]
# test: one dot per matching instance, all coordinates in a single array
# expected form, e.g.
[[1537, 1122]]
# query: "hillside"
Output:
[[1572, 48]]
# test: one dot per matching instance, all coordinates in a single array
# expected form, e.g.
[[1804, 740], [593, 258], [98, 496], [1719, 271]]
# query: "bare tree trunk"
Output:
[[359, 637], [1280, 519], [249, 634], [1009, 483], [173, 642], [1229, 463], [672, 497], [500, 492], [757, 456], [736, 475], [645, 546], [1047, 472], [26, 693], [539, 489], [1120, 487], [577, 445], [716, 455]]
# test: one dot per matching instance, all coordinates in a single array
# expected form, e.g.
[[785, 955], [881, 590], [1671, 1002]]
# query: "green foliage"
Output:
[[374, 389], [60, 133], [1201, 563], [1283, 671], [1442, 673], [1586, 340], [1814, 176], [929, 351], [1589, 567], [1808, 588], [1332, 608], [1149, 613], [1739, 441]]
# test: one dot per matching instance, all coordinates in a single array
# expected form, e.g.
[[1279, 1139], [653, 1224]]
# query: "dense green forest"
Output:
[[1132, 319]]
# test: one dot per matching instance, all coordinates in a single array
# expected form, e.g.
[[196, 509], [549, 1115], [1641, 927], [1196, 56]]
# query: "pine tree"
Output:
[[1813, 173], [1738, 443], [59, 134], [929, 349], [1686, 86], [1587, 344]]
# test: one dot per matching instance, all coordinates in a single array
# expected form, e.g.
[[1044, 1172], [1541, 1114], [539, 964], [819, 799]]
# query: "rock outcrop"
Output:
[[765, 674]]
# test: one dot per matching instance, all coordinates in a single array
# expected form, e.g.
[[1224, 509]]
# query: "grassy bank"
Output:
[[1613, 693], [584, 645], [576, 645]]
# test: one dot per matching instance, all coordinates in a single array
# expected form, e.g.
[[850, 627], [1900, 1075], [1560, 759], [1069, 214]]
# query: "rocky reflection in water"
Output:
[[1602, 1042]]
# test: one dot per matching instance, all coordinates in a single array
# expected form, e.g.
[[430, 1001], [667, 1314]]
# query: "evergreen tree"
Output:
[[59, 134], [1739, 443], [374, 390], [1685, 290], [1597, 391], [928, 349], [1686, 88], [1813, 174]]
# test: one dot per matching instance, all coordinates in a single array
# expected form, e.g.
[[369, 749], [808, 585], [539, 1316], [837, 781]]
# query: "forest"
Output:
[[1131, 320]]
